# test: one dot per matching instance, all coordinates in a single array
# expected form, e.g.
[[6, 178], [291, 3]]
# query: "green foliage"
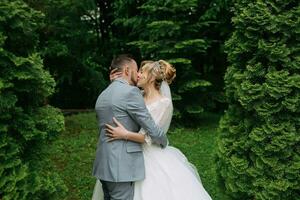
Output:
[[80, 37], [259, 146], [71, 51], [26, 123], [183, 33]]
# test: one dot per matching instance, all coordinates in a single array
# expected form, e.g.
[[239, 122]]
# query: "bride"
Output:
[[169, 175]]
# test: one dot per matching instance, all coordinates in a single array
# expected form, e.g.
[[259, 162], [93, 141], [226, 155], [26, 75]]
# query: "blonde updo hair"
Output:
[[161, 70]]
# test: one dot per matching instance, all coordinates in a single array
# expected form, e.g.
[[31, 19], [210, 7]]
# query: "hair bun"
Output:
[[169, 71]]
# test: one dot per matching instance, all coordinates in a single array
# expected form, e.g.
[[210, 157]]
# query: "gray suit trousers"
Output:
[[118, 190]]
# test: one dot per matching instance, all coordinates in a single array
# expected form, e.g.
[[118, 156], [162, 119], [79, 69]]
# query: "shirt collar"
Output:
[[122, 80]]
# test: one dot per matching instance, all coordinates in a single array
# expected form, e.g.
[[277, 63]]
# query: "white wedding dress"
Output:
[[168, 174]]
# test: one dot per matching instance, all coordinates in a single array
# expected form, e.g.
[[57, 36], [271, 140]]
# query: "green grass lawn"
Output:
[[74, 151]]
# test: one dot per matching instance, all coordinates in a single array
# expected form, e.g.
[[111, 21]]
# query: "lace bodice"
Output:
[[161, 112]]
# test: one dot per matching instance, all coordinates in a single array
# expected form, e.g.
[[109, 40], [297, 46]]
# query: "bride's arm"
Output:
[[121, 133]]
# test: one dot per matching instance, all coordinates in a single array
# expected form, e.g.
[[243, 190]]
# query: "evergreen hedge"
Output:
[[26, 122], [259, 146]]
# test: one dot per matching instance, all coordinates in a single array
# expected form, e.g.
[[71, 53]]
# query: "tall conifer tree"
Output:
[[27, 123], [259, 147]]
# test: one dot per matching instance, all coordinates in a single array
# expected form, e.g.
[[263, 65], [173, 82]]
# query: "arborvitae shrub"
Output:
[[259, 146], [27, 124]]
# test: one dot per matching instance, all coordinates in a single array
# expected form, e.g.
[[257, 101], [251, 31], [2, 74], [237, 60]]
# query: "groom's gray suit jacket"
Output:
[[120, 160]]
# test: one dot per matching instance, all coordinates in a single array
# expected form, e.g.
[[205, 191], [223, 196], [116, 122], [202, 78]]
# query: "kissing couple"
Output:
[[133, 159]]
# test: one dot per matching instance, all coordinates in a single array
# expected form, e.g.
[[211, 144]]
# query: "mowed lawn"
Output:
[[74, 151]]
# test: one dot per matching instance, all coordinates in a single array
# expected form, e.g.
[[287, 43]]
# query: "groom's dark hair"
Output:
[[120, 61]]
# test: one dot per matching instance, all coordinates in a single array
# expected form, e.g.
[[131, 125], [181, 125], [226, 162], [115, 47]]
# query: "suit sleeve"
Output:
[[137, 109]]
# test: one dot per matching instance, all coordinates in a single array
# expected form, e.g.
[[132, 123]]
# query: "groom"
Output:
[[120, 163]]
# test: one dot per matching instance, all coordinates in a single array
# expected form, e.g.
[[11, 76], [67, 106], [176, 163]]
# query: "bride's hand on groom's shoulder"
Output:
[[114, 74], [116, 133]]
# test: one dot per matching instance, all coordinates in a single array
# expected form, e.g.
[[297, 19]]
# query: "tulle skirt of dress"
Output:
[[98, 192], [169, 176]]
